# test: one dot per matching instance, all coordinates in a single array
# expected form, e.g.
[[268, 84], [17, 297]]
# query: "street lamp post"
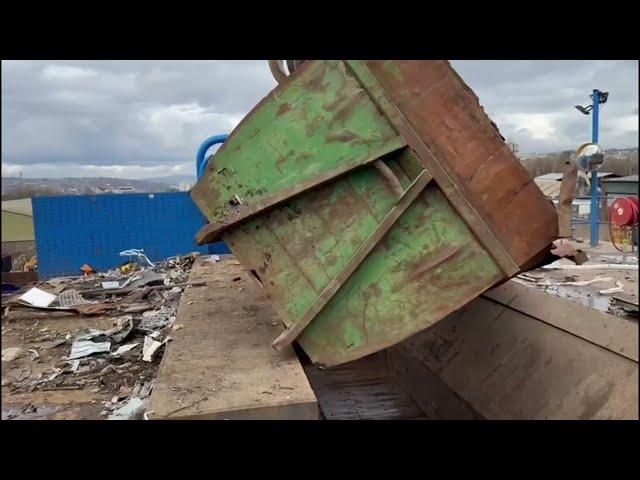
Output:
[[590, 158], [595, 204]]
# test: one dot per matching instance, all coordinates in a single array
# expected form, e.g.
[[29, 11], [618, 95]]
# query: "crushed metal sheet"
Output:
[[38, 298], [161, 318], [89, 334], [133, 409], [150, 348], [71, 298], [124, 349], [84, 348], [148, 277], [122, 330]]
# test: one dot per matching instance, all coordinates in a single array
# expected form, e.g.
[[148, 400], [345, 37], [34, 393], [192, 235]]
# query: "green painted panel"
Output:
[[394, 293], [322, 120], [298, 248]]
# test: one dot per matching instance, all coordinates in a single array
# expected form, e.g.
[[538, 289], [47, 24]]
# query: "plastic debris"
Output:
[[38, 298], [617, 289], [139, 254], [88, 269], [110, 285]]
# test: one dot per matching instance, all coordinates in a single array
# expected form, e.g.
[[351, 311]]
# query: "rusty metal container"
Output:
[[371, 199]]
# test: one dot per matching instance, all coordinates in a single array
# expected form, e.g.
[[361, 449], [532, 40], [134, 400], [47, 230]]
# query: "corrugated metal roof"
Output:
[[628, 178], [550, 188], [550, 176], [21, 206], [558, 176]]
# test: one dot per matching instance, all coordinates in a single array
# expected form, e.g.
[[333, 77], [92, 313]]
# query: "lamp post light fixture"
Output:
[[590, 158]]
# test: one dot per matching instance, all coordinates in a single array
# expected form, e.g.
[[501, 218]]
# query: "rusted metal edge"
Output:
[[390, 177], [444, 179], [402, 203], [567, 190], [615, 334], [211, 232]]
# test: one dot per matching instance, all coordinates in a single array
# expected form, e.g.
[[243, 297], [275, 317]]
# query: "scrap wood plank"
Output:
[[220, 364]]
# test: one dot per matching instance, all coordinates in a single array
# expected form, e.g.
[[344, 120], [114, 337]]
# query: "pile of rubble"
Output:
[[141, 299]]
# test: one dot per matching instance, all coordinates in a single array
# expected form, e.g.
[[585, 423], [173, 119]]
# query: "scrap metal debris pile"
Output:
[[139, 300]]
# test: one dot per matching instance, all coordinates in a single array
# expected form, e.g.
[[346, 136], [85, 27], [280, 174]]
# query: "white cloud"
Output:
[[67, 72], [180, 126]]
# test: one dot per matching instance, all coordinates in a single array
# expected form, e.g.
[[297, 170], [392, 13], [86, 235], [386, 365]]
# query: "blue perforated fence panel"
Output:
[[74, 230]]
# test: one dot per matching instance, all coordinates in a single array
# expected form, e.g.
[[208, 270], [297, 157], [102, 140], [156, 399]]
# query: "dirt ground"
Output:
[[91, 393], [85, 401]]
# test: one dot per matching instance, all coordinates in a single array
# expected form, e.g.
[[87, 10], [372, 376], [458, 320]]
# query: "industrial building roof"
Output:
[[628, 178], [558, 176], [21, 206]]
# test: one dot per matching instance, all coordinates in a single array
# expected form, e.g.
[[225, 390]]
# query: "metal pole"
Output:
[[595, 204]]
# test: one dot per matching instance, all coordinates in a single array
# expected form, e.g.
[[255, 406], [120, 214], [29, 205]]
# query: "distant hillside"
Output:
[[13, 187], [172, 180]]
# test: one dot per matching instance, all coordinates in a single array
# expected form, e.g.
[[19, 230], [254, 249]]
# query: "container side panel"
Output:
[[447, 116], [427, 266]]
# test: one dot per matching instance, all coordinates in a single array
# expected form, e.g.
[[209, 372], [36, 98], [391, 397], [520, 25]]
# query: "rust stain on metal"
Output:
[[345, 136], [432, 263], [284, 108]]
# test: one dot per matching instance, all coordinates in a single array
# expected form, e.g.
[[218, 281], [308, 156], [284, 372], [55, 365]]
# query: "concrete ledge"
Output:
[[221, 364]]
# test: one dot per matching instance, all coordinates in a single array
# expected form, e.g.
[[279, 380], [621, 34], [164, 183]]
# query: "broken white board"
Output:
[[38, 298]]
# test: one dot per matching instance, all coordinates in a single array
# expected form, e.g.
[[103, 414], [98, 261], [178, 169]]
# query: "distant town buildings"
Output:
[[185, 186], [116, 189]]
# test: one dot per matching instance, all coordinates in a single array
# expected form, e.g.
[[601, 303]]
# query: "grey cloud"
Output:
[[551, 89], [154, 114]]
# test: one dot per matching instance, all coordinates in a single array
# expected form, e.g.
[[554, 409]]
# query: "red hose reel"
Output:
[[623, 216]]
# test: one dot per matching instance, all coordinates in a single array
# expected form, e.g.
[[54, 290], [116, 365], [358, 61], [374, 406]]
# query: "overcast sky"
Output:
[[138, 119]]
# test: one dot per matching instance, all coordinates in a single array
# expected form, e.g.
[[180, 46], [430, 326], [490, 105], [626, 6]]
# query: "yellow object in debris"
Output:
[[128, 267], [30, 264]]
